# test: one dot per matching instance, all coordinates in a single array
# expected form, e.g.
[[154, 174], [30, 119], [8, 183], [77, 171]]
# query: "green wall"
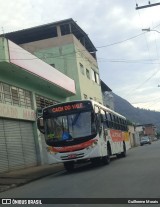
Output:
[[17, 77], [64, 59], [4, 56]]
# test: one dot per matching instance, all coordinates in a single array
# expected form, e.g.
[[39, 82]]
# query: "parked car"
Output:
[[145, 140]]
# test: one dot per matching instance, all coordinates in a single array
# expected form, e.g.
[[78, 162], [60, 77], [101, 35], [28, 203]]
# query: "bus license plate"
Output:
[[72, 156]]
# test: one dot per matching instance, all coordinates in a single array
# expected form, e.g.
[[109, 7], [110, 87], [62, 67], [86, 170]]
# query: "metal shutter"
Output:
[[28, 143], [14, 144], [3, 149], [17, 145]]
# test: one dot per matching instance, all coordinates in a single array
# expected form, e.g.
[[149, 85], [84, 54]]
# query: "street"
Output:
[[136, 176]]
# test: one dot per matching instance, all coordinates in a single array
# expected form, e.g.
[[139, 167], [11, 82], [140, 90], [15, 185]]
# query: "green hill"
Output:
[[136, 115]]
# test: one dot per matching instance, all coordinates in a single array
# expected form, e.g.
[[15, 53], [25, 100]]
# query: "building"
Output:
[[66, 47], [26, 84], [133, 136], [150, 130], [146, 130], [41, 66]]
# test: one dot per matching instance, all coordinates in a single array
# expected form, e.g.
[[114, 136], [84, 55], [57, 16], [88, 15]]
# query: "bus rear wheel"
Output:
[[69, 166], [123, 154]]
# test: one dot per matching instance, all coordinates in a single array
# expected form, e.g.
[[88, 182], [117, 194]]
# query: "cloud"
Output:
[[123, 67]]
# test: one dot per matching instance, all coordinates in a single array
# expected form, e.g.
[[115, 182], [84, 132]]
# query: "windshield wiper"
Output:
[[75, 119]]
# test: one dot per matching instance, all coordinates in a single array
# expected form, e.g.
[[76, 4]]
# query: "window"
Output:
[[44, 102], [0, 93], [81, 68], [15, 96], [7, 94], [65, 29], [92, 75], [85, 96], [95, 76], [87, 73]]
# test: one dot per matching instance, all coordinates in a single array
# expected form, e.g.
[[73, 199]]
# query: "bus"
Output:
[[84, 130]]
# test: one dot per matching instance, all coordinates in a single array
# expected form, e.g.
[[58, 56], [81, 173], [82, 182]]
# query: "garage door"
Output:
[[17, 145]]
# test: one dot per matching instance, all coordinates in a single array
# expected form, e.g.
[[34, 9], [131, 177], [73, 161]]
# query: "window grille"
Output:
[[15, 96]]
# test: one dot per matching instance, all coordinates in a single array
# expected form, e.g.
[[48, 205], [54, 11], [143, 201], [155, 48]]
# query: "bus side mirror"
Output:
[[40, 124]]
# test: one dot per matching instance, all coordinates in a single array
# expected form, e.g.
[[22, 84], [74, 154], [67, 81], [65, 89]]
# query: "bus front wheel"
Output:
[[106, 159], [69, 166]]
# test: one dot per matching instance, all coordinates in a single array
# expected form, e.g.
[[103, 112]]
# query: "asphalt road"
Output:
[[136, 176]]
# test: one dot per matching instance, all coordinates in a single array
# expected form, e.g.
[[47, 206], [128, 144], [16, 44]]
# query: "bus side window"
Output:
[[126, 128], [106, 117], [115, 122], [103, 117], [123, 127], [98, 117], [118, 123], [110, 120]]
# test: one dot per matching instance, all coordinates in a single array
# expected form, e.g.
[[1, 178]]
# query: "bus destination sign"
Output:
[[68, 107]]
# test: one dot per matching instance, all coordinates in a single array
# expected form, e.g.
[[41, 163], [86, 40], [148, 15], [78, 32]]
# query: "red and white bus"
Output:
[[83, 130]]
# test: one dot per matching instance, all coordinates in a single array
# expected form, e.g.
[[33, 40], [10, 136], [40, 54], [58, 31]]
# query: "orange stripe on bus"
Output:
[[74, 147]]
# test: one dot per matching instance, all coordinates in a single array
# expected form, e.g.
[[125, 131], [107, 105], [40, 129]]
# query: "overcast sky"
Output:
[[128, 58]]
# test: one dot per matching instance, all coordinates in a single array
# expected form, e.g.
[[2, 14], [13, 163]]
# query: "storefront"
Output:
[[17, 141], [26, 83]]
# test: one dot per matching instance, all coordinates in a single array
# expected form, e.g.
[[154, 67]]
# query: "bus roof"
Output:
[[93, 103], [107, 109]]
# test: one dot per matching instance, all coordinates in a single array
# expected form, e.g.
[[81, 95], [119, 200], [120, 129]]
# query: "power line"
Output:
[[146, 6]]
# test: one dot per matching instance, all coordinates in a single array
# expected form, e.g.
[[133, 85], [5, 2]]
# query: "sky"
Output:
[[128, 58]]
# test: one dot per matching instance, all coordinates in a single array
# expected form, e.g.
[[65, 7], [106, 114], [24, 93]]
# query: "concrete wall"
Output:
[[4, 54], [66, 53]]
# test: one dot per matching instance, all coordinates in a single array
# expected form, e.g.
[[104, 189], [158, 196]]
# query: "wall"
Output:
[[66, 52], [4, 55]]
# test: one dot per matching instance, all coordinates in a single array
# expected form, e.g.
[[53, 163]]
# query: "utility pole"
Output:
[[146, 6]]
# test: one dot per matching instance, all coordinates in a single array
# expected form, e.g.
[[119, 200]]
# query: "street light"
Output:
[[150, 30]]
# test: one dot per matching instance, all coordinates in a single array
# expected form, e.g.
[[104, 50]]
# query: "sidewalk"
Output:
[[20, 177]]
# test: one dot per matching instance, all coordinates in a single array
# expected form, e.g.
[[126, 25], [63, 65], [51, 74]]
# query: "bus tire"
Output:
[[69, 166], [123, 154], [106, 159], [95, 161]]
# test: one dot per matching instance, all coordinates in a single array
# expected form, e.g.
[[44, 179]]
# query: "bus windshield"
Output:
[[70, 127]]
